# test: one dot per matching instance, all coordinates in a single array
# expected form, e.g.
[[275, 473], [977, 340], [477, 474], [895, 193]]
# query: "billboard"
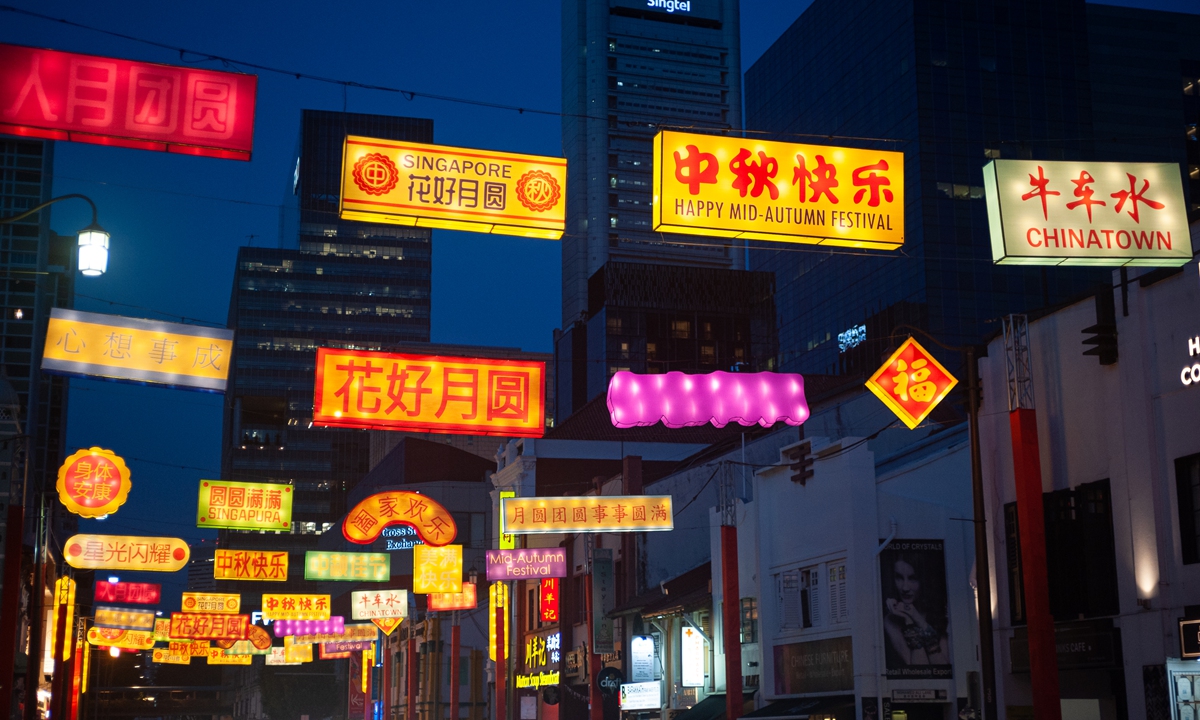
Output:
[[135, 350], [916, 619], [586, 513], [435, 186], [785, 192], [108, 101], [244, 505], [428, 393], [1044, 212]]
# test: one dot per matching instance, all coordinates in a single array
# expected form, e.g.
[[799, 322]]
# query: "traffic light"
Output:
[[801, 460], [1103, 337]]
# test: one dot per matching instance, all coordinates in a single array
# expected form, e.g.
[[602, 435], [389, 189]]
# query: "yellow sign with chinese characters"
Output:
[[136, 350], [911, 383], [194, 602], [497, 598], [737, 187], [404, 183], [162, 630], [93, 483], [124, 639], [295, 607], [217, 656], [126, 552], [437, 569], [428, 393], [162, 655], [259, 565], [586, 513]]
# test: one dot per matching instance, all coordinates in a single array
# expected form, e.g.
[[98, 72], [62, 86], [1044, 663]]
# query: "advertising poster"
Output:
[[916, 623]]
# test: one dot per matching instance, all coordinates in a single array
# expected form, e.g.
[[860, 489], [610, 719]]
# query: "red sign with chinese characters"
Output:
[[209, 626], [93, 482], [128, 592], [427, 393], [366, 520], [912, 383], [549, 599], [108, 101]]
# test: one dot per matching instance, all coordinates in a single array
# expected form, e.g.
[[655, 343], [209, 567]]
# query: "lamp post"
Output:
[[983, 572], [93, 239]]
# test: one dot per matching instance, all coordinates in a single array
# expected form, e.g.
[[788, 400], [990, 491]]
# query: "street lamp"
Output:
[[93, 239]]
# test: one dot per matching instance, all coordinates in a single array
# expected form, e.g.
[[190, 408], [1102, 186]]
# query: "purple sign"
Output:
[[526, 564], [347, 646], [680, 400], [333, 626]]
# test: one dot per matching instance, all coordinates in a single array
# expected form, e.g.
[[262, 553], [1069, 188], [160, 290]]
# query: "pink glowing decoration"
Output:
[[335, 625], [681, 400]]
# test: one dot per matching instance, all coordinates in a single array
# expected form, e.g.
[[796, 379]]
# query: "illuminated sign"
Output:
[[641, 696], [542, 651], [372, 604], [124, 552], [162, 629], [427, 393], [128, 592], [124, 618], [387, 625], [108, 101], [681, 400], [141, 351], [227, 603], [1043, 212], [587, 513], [401, 537], [851, 338], [911, 383], [189, 648], [437, 569], [670, 6], [691, 657], [786, 192], [245, 647], [1190, 375], [160, 655], [295, 607], [339, 646], [326, 655], [261, 565], [537, 680], [548, 600], [334, 625], [507, 541], [64, 603], [641, 659], [526, 563], [124, 639], [217, 656], [404, 183], [209, 626], [278, 656], [244, 505], [93, 483], [366, 520], [497, 597], [370, 567], [464, 600]]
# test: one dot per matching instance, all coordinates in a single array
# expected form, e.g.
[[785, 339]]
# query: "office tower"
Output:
[[38, 273], [955, 85], [630, 68], [341, 284]]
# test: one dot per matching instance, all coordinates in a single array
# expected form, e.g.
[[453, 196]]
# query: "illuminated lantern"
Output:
[[335, 625], [93, 483], [681, 400], [366, 520], [93, 250], [911, 383]]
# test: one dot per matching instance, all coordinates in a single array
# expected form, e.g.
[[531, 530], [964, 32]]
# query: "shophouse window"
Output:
[[800, 598], [839, 604], [749, 613], [1187, 487]]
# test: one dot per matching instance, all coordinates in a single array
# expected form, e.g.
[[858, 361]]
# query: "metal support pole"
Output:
[[983, 570], [501, 666], [595, 699], [455, 640]]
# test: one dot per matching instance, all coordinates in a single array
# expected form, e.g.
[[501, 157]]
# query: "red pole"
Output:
[[385, 684], [501, 665], [595, 701], [11, 604], [410, 700], [1027, 475], [454, 662], [731, 615]]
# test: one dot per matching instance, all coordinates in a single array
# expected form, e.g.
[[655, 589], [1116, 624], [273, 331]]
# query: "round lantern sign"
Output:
[[93, 483]]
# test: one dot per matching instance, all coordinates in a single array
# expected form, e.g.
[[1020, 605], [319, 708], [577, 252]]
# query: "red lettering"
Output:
[[1029, 238]]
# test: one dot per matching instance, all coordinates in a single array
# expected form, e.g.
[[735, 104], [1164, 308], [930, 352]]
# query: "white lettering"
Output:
[[1190, 375], [1194, 346], [670, 5], [33, 83]]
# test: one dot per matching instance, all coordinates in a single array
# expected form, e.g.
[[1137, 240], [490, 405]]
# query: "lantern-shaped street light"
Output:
[[93, 239]]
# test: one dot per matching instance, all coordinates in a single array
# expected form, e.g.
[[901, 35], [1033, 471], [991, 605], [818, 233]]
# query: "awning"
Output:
[[837, 705], [710, 708]]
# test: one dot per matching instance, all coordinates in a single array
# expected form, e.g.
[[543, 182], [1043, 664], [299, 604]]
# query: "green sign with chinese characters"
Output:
[[357, 567], [244, 505]]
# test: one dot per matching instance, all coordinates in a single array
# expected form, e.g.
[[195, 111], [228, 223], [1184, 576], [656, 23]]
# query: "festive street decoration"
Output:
[[226, 603], [586, 513], [681, 400], [373, 604], [93, 483], [911, 383], [202, 626], [464, 600], [437, 569], [258, 565], [360, 567], [244, 505], [432, 522], [126, 552]]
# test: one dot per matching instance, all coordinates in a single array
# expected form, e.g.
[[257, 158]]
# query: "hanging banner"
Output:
[[295, 607], [387, 625], [911, 383], [367, 520], [217, 656], [724, 186], [125, 552], [1045, 212], [126, 103], [428, 393], [206, 626], [260, 565], [548, 600], [372, 604], [93, 483], [526, 564], [244, 505], [603, 600], [141, 351], [436, 186], [227, 603], [160, 655], [464, 600], [124, 618], [497, 597], [368, 567], [684, 400], [124, 639], [437, 569], [128, 592], [586, 513]]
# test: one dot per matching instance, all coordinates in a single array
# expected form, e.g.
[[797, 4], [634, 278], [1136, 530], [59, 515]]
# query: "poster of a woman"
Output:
[[916, 623]]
